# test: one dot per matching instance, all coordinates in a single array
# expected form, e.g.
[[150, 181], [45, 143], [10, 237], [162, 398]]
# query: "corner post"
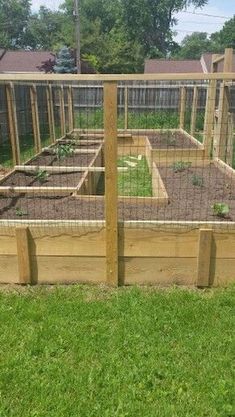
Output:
[[204, 258], [13, 123], [194, 111], [182, 107], [50, 110], [209, 117], [111, 190], [24, 265], [62, 111], [35, 118], [126, 107]]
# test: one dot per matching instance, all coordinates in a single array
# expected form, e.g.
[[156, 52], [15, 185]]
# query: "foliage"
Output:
[[226, 36], [180, 166], [68, 351], [136, 181], [194, 45], [20, 212], [41, 175], [197, 180], [64, 62], [221, 209], [14, 15], [64, 151]]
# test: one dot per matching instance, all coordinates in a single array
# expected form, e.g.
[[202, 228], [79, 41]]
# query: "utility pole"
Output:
[[77, 35]]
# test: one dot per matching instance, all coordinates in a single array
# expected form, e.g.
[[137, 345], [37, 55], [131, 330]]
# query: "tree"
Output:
[[226, 36], [14, 15], [193, 46], [150, 22], [64, 62]]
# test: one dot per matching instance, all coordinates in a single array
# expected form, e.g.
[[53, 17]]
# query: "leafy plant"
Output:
[[180, 166], [197, 180], [63, 151], [171, 140], [221, 209], [41, 175], [20, 212]]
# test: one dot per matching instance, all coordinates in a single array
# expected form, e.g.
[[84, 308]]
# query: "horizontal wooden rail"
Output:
[[61, 169], [39, 190], [116, 77]]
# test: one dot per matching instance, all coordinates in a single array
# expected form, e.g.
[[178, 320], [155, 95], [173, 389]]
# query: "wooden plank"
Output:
[[75, 151], [194, 111], [70, 108], [111, 190], [204, 258], [36, 190], [35, 118], [228, 60], [13, 123], [182, 107], [230, 141], [222, 127], [9, 270], [126, 108], [158, 187], [50, 110], [209, 118], [65, 169], [62, 111], [116, 77], [22, 241], [68, 269]]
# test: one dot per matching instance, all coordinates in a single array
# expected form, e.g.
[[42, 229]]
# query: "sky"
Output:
[[187, 22]]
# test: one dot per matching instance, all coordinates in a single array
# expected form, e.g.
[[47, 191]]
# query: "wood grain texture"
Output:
[[111, 193], [204, 257], [182, 107], [23, 253], [13, 123], [194, 111], [209, 117], [62, 111], [35, 118], [50, 111]]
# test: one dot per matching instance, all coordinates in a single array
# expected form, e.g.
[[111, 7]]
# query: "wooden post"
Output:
[[204, 258], [222, 132], [209, 118], [50, 110], [111, 191], [22, 242], [126, 107], [70, 108], [35, 118], [194, 111], [182, 106], [13, 124], [62, 111], [229, 147]]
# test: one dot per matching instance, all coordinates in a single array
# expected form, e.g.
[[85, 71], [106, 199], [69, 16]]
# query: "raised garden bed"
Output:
[[171, 140], [80, 160], [29, 179]]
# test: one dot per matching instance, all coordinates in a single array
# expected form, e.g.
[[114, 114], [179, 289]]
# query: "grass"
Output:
[[83, 351], [137, 181]]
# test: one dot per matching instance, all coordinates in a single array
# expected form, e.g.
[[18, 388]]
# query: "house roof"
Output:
[[32, 61], [163, 66]]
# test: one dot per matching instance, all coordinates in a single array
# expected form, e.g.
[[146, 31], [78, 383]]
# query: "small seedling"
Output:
[[180, 166], [221, 209], [171, 141], [63, 151], [197, 180], [41, 176], [20, 212]]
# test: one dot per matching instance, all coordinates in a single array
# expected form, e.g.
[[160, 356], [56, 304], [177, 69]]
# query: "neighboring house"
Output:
[[163, 66], [32, 61]]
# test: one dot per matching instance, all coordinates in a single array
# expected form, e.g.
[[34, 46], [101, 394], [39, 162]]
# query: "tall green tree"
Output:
[[14, 15], [226, 36], [194, 45]]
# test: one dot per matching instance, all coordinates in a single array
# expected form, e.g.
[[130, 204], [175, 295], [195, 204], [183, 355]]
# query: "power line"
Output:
[[208, 15]]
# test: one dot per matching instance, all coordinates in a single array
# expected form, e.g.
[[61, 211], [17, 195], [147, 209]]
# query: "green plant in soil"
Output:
[[221, 209], [64, 151], [171, 140], [136, 181], [197, 180], [41, 175], [180, 166], [20, 212]]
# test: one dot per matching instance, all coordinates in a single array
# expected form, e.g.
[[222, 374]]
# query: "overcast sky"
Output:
[[187, 22]]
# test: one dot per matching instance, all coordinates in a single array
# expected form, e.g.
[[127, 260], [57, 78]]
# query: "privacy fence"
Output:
[[117, 179]]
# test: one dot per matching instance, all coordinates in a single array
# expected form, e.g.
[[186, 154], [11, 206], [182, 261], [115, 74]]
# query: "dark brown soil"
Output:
[[79, 160], [23, 179], [171, 140]]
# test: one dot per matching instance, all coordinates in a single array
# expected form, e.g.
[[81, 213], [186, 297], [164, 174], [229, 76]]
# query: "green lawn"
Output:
[[136, 181], [81, 351]]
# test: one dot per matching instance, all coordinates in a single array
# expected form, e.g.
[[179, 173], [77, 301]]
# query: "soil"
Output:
[[77, 145], [79, 160], [187, 201], [168, 140], [23, 179]]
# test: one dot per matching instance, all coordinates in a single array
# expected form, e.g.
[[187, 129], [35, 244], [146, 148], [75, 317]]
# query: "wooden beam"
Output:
[[182, 106], [36, 190], [204, 258], [12, 123], [126, 108], [62, 111], [35, 118], [75, 151], [209, 118], [61, 169], [23, 253], [228, 60], [194, 111], [70, 108], [111, 191], [50, 110], [230, 141]]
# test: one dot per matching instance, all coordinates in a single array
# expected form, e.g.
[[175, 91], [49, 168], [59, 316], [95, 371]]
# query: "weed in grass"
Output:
[[41, 175], [180, 166], [20, 212], [221, 209], [197, 180]]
